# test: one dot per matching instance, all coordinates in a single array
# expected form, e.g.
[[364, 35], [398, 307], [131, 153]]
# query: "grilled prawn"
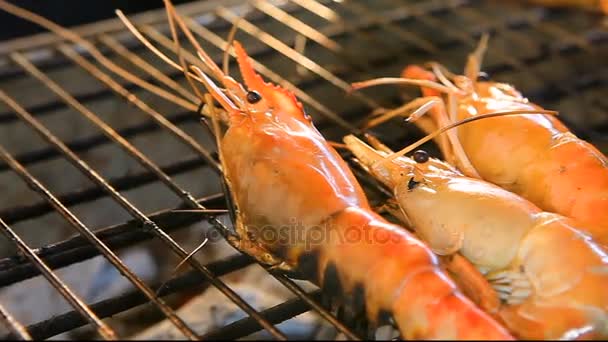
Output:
[[532, 155], [551, 277], [283, 176], [281, 171]]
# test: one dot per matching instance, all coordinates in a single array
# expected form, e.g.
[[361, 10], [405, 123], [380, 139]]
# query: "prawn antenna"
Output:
[[475, 59], [443, 74], [181, 263], [171, 16], [401, 80], [216, 133], [74, 37], [229, 40], [431, 136], [337, 145]]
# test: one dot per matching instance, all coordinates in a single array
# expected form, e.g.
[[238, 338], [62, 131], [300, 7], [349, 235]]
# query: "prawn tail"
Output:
[[395, 276]]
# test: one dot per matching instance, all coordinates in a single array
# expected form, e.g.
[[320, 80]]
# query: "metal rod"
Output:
[[15, 327], [20, 213], [276, 314], [219, 42], [309, 32], [96, 140], [402, 34], [139, 62], [76, 249], [62, 288], [47, 108], [292, 54], [73, 220], [312, 302], [156, 116], [106, 308], [282, 278], [358, 28], [95, 177]]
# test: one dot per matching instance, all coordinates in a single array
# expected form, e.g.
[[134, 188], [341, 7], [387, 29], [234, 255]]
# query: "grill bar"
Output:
[[93, 141], [559, 35], [16, 214], [109, 307], [307, 31], [77, 249], [197, 148], [281, 277], [331, 16], [276, 314], [135, 60], [16, 328], [219, 42], [297, 57], [142, 159], [108, 254], [83, 167], [311, 302], [74, 300], [403, 35], [156, 116]]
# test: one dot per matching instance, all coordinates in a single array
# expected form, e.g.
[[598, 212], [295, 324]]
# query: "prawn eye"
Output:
[[483, 76], [253, 97], [421, 156], [411, 184]]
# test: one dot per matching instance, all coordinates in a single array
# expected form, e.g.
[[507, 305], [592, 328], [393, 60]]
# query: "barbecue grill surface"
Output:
[[104, 175]]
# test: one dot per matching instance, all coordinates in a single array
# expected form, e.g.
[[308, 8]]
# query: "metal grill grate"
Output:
[[555, 57]]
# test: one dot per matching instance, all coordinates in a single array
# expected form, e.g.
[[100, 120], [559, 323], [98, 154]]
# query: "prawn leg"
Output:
[[391, 206], [513, 286], [259, 253], [419, 104], [451, 147], [475, 59], [472, 282], [415, 111]]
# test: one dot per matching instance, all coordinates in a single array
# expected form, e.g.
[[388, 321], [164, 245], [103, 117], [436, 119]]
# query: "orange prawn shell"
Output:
[[283, 173], [533, 155], [271, 146]]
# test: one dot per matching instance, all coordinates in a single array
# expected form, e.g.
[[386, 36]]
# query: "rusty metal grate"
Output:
[[555, 57]]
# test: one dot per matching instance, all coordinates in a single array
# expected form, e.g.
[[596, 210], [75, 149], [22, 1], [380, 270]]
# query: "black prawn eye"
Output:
[[421, 156], [253, 97], [483, 76], [411, 184]]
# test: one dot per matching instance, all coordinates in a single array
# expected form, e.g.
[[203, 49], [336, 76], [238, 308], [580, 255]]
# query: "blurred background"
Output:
[[71, 12]]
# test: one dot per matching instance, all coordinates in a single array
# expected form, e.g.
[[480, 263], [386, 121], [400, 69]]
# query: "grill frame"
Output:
[[66, 252]]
